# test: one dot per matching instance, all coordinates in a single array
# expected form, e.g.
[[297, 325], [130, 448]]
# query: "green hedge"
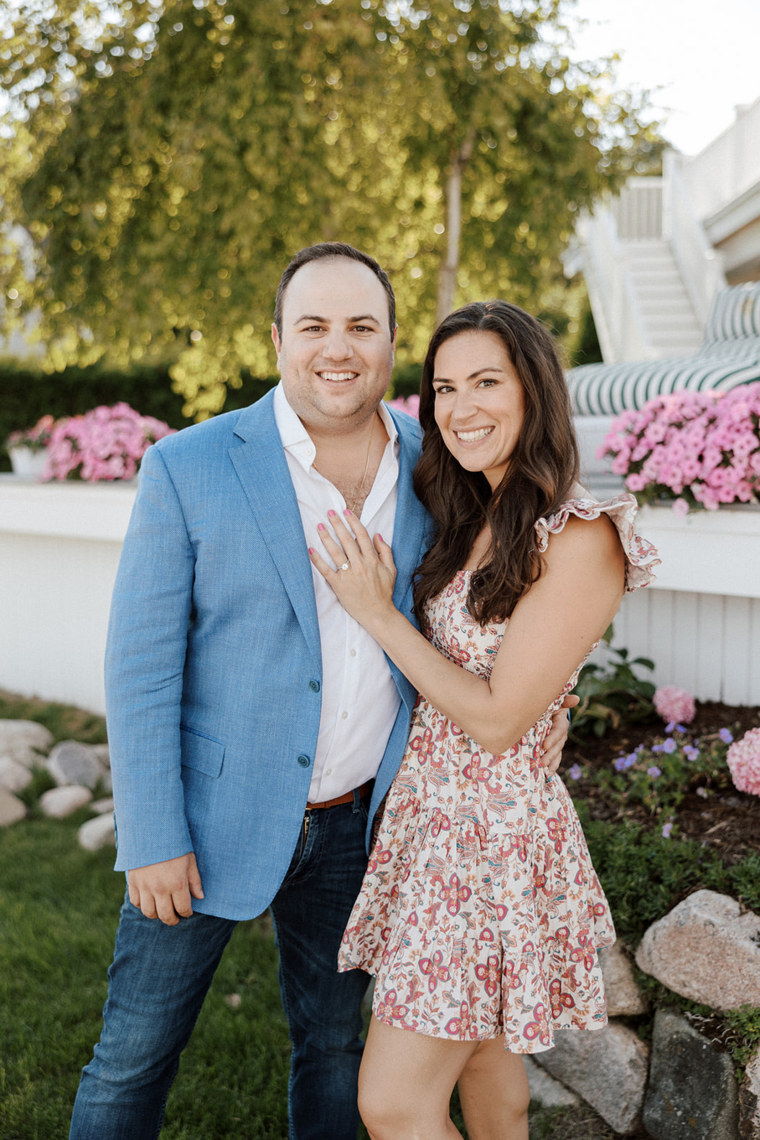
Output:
[[26, 393]]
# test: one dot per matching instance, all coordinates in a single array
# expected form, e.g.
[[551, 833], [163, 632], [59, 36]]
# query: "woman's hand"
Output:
[[364, 580]]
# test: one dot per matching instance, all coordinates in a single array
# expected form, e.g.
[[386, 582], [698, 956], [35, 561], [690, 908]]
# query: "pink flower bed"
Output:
[[104, 444], [699, 448]]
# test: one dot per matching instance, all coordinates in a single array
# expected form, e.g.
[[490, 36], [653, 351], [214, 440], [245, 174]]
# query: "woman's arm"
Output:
[[551, 629]]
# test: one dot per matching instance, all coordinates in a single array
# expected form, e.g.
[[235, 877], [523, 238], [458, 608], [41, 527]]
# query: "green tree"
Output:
[[168, 158]]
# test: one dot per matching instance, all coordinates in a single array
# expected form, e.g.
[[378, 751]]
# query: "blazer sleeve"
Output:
[[144, 664]]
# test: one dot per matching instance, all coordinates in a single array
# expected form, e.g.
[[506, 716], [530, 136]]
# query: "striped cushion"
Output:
[[729, 356]]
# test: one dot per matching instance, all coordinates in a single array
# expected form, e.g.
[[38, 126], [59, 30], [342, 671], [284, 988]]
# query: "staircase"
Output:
[[669, 323]]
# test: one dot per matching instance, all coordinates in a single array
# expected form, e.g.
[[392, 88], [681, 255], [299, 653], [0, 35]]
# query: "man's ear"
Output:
[[276, 340]]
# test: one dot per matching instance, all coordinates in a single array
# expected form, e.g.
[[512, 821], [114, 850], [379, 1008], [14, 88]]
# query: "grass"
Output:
[[58, 913]]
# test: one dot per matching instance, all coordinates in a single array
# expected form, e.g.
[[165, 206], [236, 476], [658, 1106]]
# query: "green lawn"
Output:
[[58, 914]]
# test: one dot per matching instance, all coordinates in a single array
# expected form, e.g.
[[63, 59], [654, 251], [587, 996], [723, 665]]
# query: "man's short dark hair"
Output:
[[326, 249]]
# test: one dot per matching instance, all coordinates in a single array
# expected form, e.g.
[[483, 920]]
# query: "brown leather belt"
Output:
[[346, 798]]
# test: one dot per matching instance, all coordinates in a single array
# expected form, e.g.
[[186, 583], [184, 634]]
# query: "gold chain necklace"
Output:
[[357, 498]]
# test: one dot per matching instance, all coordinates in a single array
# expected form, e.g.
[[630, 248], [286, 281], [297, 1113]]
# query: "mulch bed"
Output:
[[729, 821]]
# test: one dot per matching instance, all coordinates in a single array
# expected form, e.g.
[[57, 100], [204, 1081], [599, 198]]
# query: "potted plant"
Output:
[[28, 448], [105, 444]]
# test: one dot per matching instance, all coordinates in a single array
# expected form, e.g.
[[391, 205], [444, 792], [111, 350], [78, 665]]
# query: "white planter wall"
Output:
[[700, 624], [60, 545]]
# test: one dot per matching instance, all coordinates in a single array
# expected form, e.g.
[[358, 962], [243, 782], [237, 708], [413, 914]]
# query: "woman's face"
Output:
[[479, 402]]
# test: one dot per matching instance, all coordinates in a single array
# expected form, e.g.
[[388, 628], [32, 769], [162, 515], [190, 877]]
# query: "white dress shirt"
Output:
[[359, 698]]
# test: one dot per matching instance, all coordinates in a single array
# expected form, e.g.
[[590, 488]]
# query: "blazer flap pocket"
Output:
[[201, 752]]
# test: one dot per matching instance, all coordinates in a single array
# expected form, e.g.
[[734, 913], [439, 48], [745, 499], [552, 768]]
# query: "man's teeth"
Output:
[[338, 375], [471, 436]]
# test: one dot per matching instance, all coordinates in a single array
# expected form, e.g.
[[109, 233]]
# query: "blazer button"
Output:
[[304, 761], [314, 686]]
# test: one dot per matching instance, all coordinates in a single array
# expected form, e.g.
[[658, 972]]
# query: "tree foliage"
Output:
[[167, 158]]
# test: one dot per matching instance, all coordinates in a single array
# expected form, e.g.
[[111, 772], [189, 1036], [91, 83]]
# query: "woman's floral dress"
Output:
[[481, 913]]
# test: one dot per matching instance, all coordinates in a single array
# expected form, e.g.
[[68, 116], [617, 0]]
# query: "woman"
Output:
[[480, 914]]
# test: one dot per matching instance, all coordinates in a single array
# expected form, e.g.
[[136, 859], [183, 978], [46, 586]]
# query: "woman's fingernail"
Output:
[[311, 550], [331, 514], [347, 511], [321, 526], [381, 539]]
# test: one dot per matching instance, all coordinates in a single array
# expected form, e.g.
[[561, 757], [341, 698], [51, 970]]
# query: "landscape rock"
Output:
[[24, 741], [73, 763], [624, 998], [14, 777], [100, 806], [97, 833], [692, 1094], [749, 1101], [58, 803], [11, 808], [545, 1090], [706, 927], [103, 754], [607, 1068]]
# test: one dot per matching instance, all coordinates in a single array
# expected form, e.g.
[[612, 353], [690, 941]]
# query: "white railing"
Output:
[[614, 303], [60, 545], [699, 264], [638, 209], [727, 167]]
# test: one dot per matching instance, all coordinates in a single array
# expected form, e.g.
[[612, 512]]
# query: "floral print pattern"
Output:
[[481, 913]]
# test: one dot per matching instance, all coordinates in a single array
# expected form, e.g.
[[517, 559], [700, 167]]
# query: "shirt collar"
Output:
[[295, 438]]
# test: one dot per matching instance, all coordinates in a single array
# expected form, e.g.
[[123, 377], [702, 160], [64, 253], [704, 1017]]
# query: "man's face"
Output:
[[335, 355]]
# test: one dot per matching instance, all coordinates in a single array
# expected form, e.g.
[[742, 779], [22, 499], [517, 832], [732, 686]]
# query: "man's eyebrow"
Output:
[[351, 320]]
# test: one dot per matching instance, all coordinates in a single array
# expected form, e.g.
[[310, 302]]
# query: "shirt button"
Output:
[[314, 686], [344, 716], [304, 761], [353, 653]]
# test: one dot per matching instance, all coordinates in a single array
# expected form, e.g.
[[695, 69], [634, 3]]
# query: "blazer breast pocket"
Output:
[[202, 753]]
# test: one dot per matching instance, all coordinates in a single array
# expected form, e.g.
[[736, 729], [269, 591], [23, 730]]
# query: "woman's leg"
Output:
[[494, 1093], [406, 1081]]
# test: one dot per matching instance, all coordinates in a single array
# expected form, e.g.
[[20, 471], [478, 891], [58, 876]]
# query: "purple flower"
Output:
[[654, 771], [726, 736], [575, 772], [666, 829], [621, 763], [669, 746], [690, 752]]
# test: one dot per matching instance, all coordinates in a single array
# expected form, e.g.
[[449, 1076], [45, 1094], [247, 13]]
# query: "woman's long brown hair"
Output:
[[540, 474]]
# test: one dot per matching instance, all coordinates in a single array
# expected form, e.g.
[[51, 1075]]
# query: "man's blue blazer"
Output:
[[213, 662]]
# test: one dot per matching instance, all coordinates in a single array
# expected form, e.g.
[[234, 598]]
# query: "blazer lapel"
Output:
[[262, 468]]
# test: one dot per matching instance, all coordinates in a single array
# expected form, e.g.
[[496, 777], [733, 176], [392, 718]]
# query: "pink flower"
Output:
[[680, 508], [743, 759], [674, 704], [408, 404], [106, 443]]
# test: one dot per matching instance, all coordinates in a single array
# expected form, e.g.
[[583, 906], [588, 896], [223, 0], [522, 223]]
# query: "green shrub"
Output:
[[612, 696]]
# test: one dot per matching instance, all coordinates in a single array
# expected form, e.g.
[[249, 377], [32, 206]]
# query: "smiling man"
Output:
[[255, 727]]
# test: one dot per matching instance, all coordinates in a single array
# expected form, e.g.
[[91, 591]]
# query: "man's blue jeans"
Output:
[[160, 975]]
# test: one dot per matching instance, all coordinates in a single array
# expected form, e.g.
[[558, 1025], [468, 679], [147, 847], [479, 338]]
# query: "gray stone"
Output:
[[624, 998], [14, 777], [58, 803], [545, 1090], [707, 927], [11, 808], [97, 833], [749, 1101], [73, 763], [692, 1094], [606, 1067], [24, 740], [103, 754], [101, 806]]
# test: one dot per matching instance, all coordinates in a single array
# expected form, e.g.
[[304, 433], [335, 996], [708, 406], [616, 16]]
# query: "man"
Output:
[[254, 727]]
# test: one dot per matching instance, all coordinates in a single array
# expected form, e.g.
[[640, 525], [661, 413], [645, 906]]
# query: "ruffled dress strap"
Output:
[[641, 555]]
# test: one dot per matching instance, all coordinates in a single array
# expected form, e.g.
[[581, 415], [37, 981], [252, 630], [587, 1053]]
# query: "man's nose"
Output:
[[336, 346]]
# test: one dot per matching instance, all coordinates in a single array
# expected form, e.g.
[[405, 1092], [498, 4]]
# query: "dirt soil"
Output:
[[729, 821]]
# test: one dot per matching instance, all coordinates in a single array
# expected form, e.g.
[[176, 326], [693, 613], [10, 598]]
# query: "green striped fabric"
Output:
[[729, 356]]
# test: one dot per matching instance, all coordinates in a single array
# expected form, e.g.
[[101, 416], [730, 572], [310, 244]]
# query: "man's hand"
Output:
[[555, 741], [164, 890]]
